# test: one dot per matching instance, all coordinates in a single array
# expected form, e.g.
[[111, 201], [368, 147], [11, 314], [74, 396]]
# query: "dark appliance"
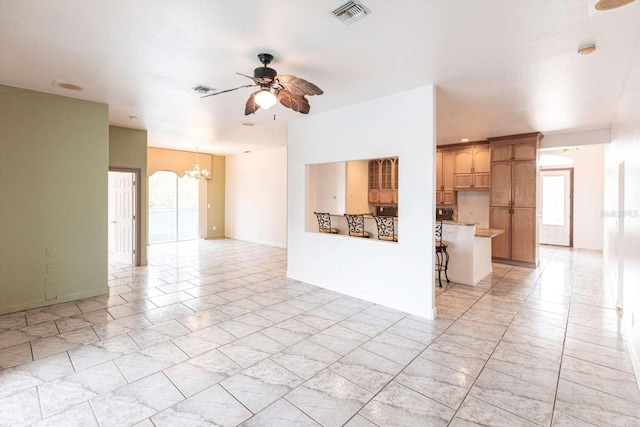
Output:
[[387, 210], [444, 214]]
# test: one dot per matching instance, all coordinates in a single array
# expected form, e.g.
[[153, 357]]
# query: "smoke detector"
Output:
[[350, 12], [611, 4], [67, 85], [202, 90], [587, 49]]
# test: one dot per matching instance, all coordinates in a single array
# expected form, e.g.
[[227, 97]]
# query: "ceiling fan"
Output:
[[289, 90]]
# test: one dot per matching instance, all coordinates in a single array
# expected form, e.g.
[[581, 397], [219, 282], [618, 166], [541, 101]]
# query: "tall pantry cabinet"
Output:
[[513, 197]]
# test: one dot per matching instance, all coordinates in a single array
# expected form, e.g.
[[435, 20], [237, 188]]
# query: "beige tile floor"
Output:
[[212, 333]]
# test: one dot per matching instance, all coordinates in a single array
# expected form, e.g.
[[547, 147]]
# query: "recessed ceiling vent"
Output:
[[202, 90], [350, 12]]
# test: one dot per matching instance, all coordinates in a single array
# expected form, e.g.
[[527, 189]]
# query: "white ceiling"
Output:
[[501, 66]]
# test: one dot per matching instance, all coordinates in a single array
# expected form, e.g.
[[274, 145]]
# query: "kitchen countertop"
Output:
[[459, 223], [366, 216], [488, 232]]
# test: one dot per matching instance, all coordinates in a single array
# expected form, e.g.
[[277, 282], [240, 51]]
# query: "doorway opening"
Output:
[[556, 225], [173, 207], [123, 226]]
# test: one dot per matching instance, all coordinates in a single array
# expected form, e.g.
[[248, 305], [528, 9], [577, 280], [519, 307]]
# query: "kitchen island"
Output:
[[469, 248]]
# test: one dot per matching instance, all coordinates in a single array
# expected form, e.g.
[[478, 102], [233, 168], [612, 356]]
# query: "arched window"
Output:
[[173, 207]]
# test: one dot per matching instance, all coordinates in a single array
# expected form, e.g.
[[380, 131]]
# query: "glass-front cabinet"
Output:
[[383, 180]]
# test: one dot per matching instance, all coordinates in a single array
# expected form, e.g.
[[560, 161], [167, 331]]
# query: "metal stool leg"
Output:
[[439, 265], [446, 265]]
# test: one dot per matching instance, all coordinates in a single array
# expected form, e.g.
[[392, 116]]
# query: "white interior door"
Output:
[[555, 227], [121, 217]]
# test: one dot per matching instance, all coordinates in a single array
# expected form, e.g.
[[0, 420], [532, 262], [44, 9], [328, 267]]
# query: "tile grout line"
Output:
[[499, 341], [415, 358], [455, 414], [564, 340], [385, 330]]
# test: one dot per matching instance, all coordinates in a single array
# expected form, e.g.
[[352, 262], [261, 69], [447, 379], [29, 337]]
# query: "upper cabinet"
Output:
[[472, 168], [445, 176], [383, 180], [521, 151]]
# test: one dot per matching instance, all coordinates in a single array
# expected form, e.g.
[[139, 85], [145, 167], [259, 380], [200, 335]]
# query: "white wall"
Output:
[[327, 183], [473, 206], [398, 275], [569, 139], [625, 148], [588, 194], [256, 197], [357, 187]]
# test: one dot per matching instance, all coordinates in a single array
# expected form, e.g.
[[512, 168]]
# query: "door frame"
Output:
[[620, 228], [571, 171], [137, 201]]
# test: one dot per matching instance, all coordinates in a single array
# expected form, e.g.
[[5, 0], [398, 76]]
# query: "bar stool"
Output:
[[356, 225], [324, 223], [442, 256], [386, 228]]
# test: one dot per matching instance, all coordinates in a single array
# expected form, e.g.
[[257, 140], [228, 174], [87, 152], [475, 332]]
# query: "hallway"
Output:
[[213, 333]]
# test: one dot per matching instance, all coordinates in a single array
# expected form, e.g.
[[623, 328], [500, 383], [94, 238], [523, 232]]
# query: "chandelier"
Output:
[[197, 172]]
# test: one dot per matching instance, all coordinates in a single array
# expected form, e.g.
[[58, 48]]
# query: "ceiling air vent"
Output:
[[202, 90], [350, 12]]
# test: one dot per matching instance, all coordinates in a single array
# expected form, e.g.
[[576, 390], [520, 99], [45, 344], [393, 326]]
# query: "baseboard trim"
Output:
[[635, 361], [516, 263], [384, 300], [259, 242], [59, 300]]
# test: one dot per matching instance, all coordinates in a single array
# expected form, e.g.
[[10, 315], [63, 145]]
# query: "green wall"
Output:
[[215, 198], [53, 205], [128, 149]]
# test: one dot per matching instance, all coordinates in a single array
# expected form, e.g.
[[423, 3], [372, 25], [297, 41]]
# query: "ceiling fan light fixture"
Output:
[[265, 99]]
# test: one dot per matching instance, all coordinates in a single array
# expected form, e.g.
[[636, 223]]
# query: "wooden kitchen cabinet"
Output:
[[526, 150], [395, 181], [500, 191], [500, 219], [445, 176], [383, 180], [525, 176], [513, 197], [472, 168], [523, 243], [374, 181]]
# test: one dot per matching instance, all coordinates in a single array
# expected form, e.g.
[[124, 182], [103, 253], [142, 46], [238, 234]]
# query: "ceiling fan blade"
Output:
[[228, 90], [249, 77], [298, 86], [296, 102], [251, 107]]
